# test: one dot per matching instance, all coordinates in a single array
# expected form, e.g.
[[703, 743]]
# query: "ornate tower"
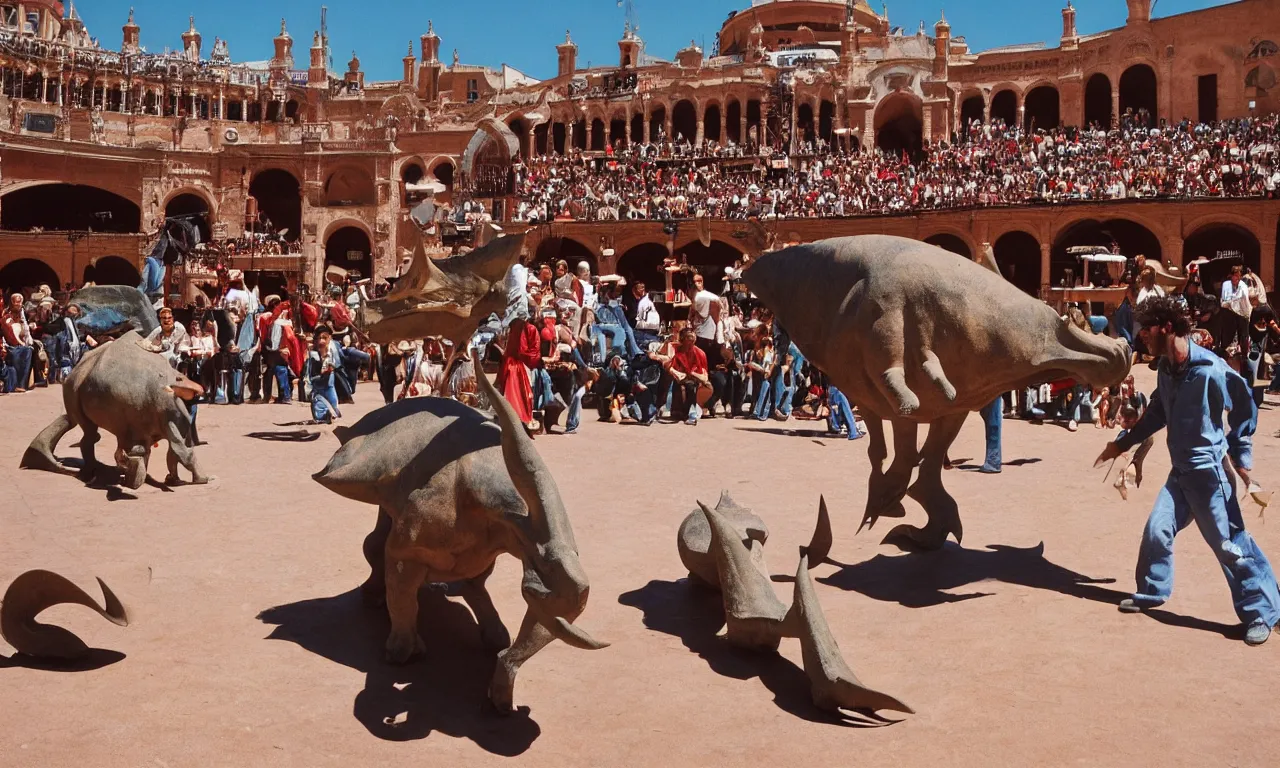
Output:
[[410, 64], [1139, 11], [284, 48], [354, 77], [629, 48], [430, 68], [131, 35], [1070, 40], [191, 41], [941, 48], [568, 55], [318, 72]]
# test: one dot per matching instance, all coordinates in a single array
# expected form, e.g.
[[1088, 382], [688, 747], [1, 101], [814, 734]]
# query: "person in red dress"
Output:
[[521, 354]]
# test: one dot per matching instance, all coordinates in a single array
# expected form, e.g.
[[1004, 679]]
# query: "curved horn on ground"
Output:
[[39, 454], [33, 592], [537, 597], [832, 683], [820, 544]]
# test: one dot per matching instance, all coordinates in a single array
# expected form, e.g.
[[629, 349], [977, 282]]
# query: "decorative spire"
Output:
[[431, 29], [191, 21], [130, 15], [567, 39], [409, 54], [283, 32], [315, 41]]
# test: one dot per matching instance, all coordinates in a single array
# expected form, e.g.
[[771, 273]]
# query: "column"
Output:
[[700, 133], [568, 136], [986, 108], [1115, 103], [222, 104], [1045, 250], [927, 128], [645, 127], [667, 123], [631, 134], [1171, 250], [742, 121], [869, 130]]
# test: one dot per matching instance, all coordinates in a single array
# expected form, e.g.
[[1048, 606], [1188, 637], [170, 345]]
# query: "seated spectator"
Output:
[[692, 381]]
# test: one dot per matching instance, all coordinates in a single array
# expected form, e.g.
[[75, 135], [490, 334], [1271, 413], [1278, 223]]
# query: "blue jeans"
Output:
[[993, 419], [764, 403], [281, 373], [575, 410], [543, 392], [324, 397], [619, 336], [352, 361], [20, 362], [840, 413], [783, 394], [8, 377], [1206, 496]]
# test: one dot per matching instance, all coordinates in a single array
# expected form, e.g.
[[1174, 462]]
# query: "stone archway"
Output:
[[190, 204], [1222, 239], [115, 270], [1004, 107], [349, 247], [971, 109], [279, 196], [1097, 101], [25, 275], [899, 124], [949, 242], [349, 186], [711, 261], [1131, 238], [1018, 256], [1042, 109], [684, 121], [1138, 93], [644, 262], [69, 207]]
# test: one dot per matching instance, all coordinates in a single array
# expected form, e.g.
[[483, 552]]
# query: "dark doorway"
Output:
[[557, 138], [349, 248], [1130, 238], [540, 139], [1207, 86], [62, 207], [753, 121], [950, 243], [521, 132], [1097, 102], [1218, 240], [1042, 111], [1018, 255], [618, 132], [973, 109], [26, 275], [412, 173], [711, 124], [657, 124], [1004, 107], [804, 124], [597, 135], [711, 261], [1138, 95], [553, 249], [644, 262], [733, 121], [279, 199], [900, 125], [580, 134], [684, 121], [192, 207], [637, 129], [826, 120], [444, 174], [115, 270]]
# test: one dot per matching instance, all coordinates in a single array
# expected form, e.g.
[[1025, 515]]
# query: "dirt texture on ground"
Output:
[[249, 644]]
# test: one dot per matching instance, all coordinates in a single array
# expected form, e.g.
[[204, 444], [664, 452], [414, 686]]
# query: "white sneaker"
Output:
[[1072, 426]]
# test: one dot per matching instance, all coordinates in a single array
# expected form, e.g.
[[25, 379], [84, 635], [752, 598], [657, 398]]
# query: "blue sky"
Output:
[[524, 34]]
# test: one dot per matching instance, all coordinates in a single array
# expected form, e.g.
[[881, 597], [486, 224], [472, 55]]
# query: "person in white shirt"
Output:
[[704, 317], [648, 321], [589, 300], [1235, 297]]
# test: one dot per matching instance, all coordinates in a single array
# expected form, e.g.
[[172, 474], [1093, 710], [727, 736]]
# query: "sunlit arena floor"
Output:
[[249, 644]]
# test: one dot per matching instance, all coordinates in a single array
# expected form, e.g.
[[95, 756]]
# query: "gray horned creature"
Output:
[[723, 548], [455, 491]]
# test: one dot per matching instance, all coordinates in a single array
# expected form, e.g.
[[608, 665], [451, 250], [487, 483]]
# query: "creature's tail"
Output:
[[39, 454], [33, 592]]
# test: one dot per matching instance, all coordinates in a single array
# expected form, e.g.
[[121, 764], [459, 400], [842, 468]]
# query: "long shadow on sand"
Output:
[[446, 691], [695, 615], [923, 580], [97, 658]]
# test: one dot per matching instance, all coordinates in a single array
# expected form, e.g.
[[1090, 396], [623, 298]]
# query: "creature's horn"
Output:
[[33, 592], [537, 596], [820, 545], [422, 272], [704, 230], [832, 684], [529, 475]]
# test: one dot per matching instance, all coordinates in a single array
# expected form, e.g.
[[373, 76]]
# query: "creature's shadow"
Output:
[[446, 691], [108, 478], [923, 580], [695, 614], [97, 658]]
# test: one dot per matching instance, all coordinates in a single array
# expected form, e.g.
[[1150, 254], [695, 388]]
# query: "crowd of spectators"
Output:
[[985, 165]]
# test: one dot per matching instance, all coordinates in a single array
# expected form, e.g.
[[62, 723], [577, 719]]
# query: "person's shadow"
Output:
[[444, 691], [695, 614], [923, 580]]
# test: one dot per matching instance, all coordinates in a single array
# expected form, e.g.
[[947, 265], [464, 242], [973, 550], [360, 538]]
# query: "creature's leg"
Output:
[[885, 491], [91, 437], [136, 459], [180, 452], [404, 578], [374, 588], [532, 638], [944, 518], [492, 631]]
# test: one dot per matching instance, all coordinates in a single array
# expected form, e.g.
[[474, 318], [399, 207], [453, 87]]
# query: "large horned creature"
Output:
[[916, 335], [454, 491]]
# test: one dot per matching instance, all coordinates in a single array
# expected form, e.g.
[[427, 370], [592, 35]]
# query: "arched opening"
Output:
[[1138, 95], [1018, 256], [65, 207], [580, 134], [540, 133], [27, 275], [273, 111], [444, 174], [255, 112], [1127, 237], [805, 131], [900, 125], [711, 261], [521, 132], [1004, 107], [657, 121], [637, 128], [350, 186], [1097, 102], [733, 121], [711, 123], [235, 110], [349, 248], [1219, 240], [192, 206], [279, 199], [826, 120], [684, 121], [597, 135], [553, 249], [972, 110], [115, 270], [949, 242], [644, 262], [1043, 112], [558, 134], [754, 133], [617, 132], [412, 173], [291, 110]]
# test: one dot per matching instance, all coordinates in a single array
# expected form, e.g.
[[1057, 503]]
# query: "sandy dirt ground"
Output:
[[249, 644]]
